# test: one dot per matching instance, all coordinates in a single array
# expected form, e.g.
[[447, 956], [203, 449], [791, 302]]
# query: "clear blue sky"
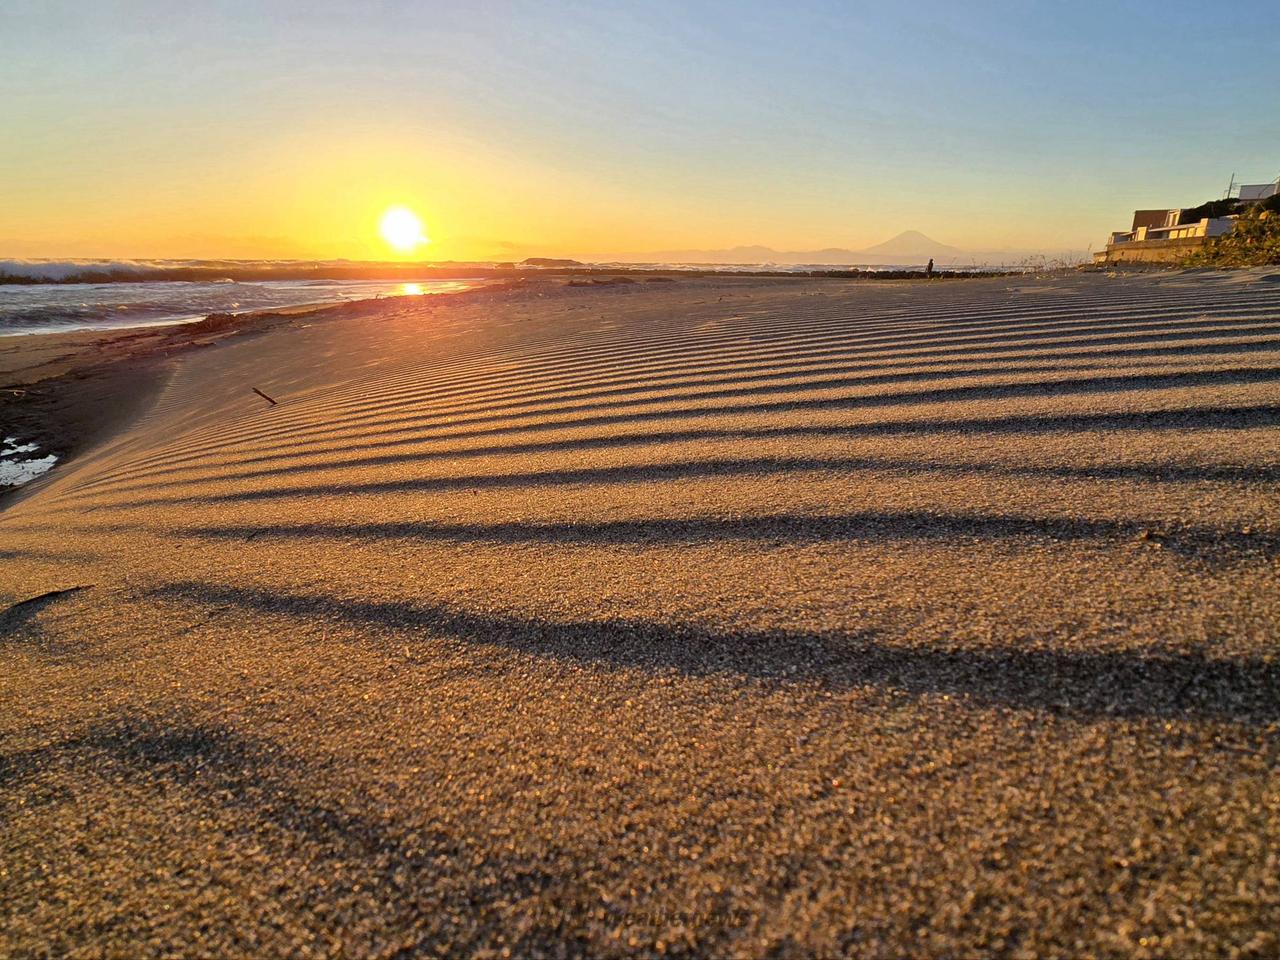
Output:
[[598, 127]]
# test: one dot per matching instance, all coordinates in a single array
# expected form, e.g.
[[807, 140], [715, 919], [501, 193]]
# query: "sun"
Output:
[[401, 228]]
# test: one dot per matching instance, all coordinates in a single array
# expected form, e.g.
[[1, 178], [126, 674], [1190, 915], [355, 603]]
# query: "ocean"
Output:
[[61, 307]]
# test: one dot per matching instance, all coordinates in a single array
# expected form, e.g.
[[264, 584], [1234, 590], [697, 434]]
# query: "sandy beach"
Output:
[[728, 616]]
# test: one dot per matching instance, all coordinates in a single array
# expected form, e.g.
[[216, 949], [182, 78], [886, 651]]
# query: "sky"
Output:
[[252, 130]]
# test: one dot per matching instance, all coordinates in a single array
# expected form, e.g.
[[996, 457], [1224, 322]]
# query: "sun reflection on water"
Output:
[[410, 289]]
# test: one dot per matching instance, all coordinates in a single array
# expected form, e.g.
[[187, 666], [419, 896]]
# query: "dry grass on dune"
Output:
[[725, 617]]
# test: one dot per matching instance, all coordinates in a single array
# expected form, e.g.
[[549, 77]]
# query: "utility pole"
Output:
[[1230, 186]]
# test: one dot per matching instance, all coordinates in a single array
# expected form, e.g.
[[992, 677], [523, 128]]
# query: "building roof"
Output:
[[1259, 191]]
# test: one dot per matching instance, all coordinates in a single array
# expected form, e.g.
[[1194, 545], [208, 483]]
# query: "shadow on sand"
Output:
[[1081, 683], [1206, 543]]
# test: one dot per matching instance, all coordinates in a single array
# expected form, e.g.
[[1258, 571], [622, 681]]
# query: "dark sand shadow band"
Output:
[[1085, 683]]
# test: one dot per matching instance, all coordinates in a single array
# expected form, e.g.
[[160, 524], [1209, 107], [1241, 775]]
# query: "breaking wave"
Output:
[[56, 306], [209, 271]]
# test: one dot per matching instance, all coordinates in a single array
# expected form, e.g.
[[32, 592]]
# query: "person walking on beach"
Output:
[[928, 271]]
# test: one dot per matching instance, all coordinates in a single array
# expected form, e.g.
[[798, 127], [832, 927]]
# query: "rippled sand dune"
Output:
[[728, 617]]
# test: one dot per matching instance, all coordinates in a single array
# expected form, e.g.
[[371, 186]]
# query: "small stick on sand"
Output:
[[263, 396], [32, 604]]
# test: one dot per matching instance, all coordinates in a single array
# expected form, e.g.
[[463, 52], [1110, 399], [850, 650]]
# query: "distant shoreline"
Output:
[[245, 273], [68, 303]]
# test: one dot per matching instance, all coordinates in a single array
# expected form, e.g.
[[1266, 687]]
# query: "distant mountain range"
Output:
[[908, 247]]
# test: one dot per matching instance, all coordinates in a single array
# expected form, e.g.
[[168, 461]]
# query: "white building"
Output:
[[1259, 191]]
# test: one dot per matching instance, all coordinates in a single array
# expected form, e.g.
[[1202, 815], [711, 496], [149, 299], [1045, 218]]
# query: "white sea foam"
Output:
[[17, 469]]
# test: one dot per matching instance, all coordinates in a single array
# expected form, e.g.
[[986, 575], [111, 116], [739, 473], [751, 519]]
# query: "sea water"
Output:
[[61, 307]]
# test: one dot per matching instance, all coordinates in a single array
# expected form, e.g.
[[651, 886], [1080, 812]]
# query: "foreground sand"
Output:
[[718, 617]]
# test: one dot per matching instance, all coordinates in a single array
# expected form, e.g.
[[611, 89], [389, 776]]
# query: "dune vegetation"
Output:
[[1254, 242]]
